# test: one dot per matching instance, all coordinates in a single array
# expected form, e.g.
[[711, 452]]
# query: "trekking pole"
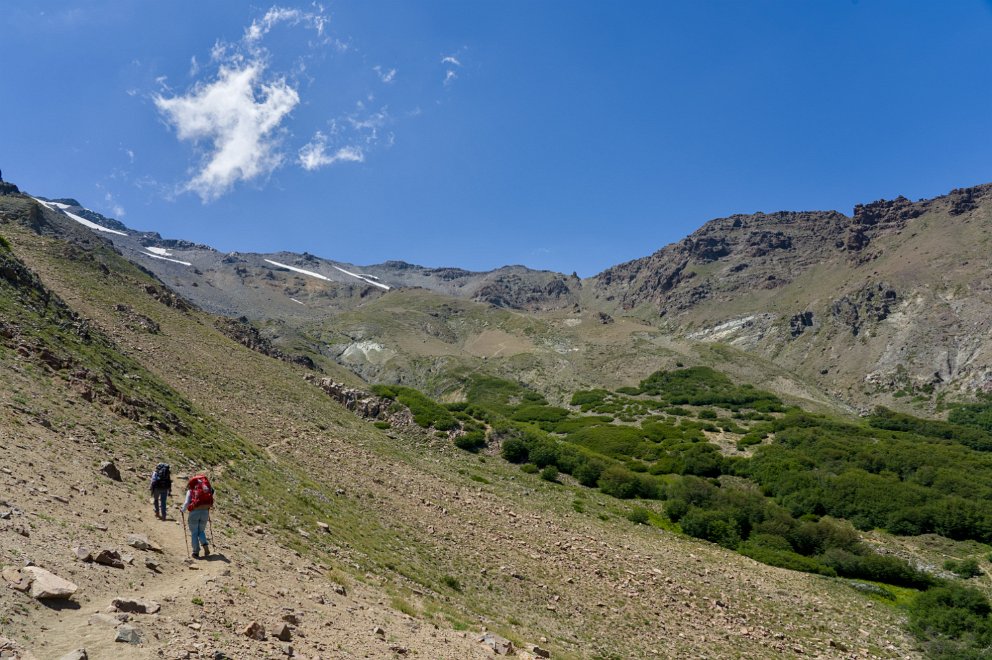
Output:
[[183, 518], [210, 523]]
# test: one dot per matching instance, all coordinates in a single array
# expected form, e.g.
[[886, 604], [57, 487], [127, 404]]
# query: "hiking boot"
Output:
[[196, 555], [206, 550]]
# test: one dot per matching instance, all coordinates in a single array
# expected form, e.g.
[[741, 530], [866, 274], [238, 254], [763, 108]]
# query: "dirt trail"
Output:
[[178, 580]]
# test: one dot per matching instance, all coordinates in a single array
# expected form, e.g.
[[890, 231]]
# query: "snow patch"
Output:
[[162, 252], [299, 270], [156, 256], [297, 301], [365, 278], [80, 220]]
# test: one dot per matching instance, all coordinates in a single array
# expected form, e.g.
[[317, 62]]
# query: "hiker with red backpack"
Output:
[[199, 500], [161, 488]]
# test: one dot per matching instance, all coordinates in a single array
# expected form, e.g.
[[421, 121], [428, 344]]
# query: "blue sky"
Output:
[[567, 135]]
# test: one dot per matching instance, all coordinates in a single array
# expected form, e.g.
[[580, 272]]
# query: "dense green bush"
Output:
[[550, 473], [966, 568], [515, 450], [954, 622], [472, 441], [784, 558], [638, 515], [426, 412]]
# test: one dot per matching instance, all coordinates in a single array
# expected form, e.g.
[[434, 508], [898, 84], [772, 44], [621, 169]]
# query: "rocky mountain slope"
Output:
[[893, 302], [389, 542], [889, 306]]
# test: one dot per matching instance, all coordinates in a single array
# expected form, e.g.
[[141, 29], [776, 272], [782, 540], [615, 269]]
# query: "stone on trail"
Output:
[[135, 606], [499, 645], [151, 564], [539, 652], [141, 542], [102, 619], [109, 557], [78, 654], [107, 468], [128, 634], [48, 586]]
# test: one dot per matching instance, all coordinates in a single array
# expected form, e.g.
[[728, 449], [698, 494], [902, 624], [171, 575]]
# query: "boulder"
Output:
[[135, 606], [128, 634], [109, 557], [108, 469], [48, 586]]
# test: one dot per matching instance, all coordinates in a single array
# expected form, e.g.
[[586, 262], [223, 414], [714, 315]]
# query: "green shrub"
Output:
[[966, 568], [621, 482], [550, 473], [707, 413], [718, 526], [515, 450], [878, 568], [954, 619], [529, 468], [452, 583], [784, 558], [382, 425], [638, 515], [472, 441]]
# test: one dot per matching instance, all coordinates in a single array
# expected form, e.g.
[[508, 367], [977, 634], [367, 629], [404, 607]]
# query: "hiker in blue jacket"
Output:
[[161, 488]]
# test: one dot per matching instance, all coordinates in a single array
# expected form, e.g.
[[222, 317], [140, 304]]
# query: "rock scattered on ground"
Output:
[[48, 586], [135, 606], [108, 469]]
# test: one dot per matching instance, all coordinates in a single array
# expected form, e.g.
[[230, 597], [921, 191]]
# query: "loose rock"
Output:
[[110, 470], [78, 654], [254, 630], [141, 542], [282, 632], [48, 586], [129, 634], [135, 606], [109, 557], [499, 645]]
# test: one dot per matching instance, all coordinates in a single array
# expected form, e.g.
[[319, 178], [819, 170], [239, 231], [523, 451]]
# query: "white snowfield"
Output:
[[163, 254], [158, 256], [80, 220], [364, 278], [299, 270]]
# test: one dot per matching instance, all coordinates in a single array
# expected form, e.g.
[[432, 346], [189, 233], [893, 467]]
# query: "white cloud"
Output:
[[449, 76], [314, 154], [274, 15], [236, 116], [385, 76], [450, 59], [114, 206]]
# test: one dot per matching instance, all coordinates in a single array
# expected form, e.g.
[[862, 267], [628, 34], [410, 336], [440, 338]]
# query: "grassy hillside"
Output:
[[428, 541], [735, 466]]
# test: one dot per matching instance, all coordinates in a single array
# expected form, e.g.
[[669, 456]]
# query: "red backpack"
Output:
[[201, 493]]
